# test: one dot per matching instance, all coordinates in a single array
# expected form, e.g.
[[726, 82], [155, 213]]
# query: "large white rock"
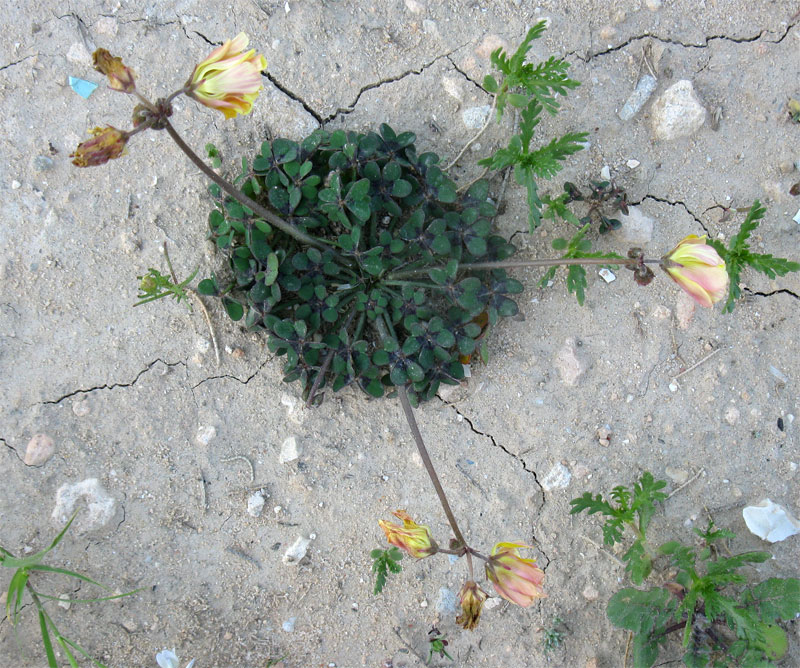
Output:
[[770, 522], [678, 112], [101, 506], [636, 227]]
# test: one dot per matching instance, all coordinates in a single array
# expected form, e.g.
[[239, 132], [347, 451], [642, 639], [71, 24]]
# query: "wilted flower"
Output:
[[120, 77], [472, 598], [516, 579], [107, 144], [228, 79], [167, 658], [411, 537], [698, 269]]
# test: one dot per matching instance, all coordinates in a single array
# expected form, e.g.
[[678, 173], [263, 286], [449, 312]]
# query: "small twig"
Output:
[[205, 494], [208, 322], [476, 137], [688, 482], [627, 649], [242, 458], [409, 647], [603, 551], [697, 364]]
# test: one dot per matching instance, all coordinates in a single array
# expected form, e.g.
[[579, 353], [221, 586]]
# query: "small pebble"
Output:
[[447, 603], [633, 164], [559, 477], [673, 386], [590, 593], [415, 7], [732, 415], [678, 476], [255, 504], [288, 625], [41, 163], [644, 89], [475, 118], [81, 408], [289, 450], [237, 354], [492, 602], [39, 449], [296, 551], [786, 166], [16, 185], [205, 434], [605, 173], [64, 601]]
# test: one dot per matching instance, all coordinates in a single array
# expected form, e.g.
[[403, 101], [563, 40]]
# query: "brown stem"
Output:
[[240, 197], [426, 460], [326, 363], [511, 264]]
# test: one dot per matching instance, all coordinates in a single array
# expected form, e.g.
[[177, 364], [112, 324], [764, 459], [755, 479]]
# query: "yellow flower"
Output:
[[516, 579], [472, 598], [228, 79], [411, 537], [120, 77], [698, 269], [107, 144]]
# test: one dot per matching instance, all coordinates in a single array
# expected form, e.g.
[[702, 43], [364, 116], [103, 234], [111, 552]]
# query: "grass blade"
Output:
[[48, 644]]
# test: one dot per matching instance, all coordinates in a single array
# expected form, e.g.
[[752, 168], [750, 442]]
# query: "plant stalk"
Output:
[[243, 199], [426, 460], [511, 264]]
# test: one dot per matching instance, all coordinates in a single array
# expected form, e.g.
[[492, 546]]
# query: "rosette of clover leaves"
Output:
[[382, 300]]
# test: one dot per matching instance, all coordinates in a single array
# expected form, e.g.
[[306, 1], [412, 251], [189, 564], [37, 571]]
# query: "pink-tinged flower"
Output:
[[228, 79], [516, 579], [106, 144], [472, 598], [411, 537], [698, 269], [120, 77]]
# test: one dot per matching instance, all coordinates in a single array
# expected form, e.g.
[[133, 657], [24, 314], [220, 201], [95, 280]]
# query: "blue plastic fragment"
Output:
[[82, 87]]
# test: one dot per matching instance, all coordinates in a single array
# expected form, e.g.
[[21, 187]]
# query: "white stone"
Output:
[[415, 7], [79, 55], [105, 25], [732, 415], [590, 593], [678, 112], [770, 522], [452, 86], [39, 449], [101, 505], [205, 433], [633, 164], [475, 117], [255, 504], [289, 450], [559, 477], [492, 602], [653, 5], [296, 551], [569, 367], [447, 603], [288, 625], [16, 185], [605, 173], [636, 227]]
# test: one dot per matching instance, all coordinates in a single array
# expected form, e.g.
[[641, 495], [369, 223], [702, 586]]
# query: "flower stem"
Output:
[[240, 197], [426, 460], [511, 264]]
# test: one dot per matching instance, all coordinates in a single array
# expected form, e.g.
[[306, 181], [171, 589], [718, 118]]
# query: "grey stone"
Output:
[[678, 112], [636, 227], [559, 477], [569, 367], [475, 117], [447, 603], [289, 450], [640, 95]]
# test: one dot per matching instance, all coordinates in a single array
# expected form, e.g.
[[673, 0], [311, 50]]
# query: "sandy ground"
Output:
[[135, 399]]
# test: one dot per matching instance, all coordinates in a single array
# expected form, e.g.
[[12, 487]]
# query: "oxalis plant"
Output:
[[721, 618], [365, 265]]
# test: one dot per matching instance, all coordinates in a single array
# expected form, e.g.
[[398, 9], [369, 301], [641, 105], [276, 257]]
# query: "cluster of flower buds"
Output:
[[516, 579], [229, 80]]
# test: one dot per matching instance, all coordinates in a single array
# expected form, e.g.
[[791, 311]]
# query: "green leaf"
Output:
[[207, 287], [235, 309], [272, 269], [775, 598], [636, 610], [46, 641]]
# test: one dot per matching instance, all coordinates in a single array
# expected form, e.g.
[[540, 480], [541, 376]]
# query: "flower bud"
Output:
[[107, 144], [119, 76], [472, 598], [516, 579], [698, 269], [411, 537], [228, 79]]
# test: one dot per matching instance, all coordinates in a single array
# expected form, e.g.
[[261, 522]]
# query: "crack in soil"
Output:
[[675, 203], [465, 75], [236, 378], [501, 446], [16, 62], [341, 111], [12, 448], [113, 385], [294, 96], [686, 45], [754, 293]]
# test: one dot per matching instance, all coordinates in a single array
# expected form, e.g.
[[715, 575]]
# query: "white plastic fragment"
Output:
[[559, 477], [641, 94], [607, 275], [778, 374], [255, 503], [796, 218], [770, 522]]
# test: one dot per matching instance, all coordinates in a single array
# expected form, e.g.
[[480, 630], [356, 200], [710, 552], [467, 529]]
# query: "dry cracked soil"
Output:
[[572, 399]]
